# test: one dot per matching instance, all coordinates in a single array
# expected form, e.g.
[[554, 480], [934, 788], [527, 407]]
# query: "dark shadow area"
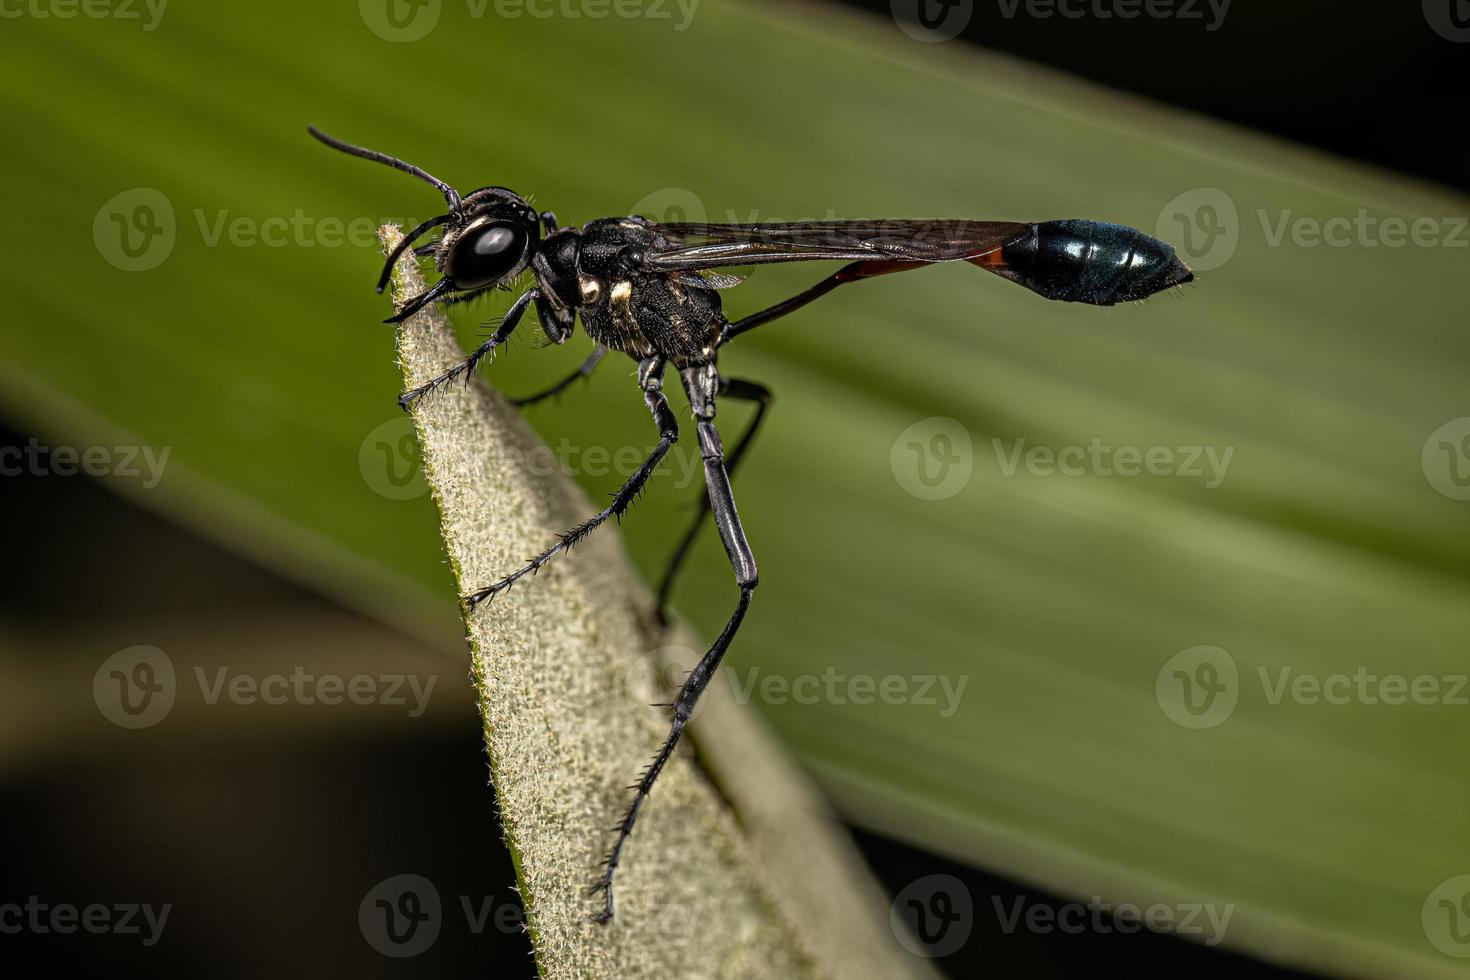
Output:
[[1382, 83]]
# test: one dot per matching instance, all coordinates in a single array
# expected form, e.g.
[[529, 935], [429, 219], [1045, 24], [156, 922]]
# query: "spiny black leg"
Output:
[[420, 301], [684, 706], [700, 383], [650, 379], [507, 326], [585, 371], [729, 388]]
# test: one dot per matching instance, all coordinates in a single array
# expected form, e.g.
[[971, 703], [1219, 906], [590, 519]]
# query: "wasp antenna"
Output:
[[450, 194], [407, 241]]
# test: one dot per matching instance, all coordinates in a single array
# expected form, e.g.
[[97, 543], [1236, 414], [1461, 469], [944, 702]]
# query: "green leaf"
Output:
[[1059, 602], [564, 677]]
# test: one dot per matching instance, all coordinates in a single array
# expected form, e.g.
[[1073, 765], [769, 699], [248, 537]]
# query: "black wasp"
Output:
[[650, 291]]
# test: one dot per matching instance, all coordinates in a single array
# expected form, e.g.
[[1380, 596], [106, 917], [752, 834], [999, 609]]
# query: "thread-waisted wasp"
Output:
[[651, 291]]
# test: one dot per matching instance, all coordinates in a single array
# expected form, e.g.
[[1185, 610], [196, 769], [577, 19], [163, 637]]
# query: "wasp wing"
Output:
[[707, 279], [692, 246]]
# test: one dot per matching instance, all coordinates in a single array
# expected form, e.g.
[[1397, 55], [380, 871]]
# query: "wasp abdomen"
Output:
[[1080, 261]]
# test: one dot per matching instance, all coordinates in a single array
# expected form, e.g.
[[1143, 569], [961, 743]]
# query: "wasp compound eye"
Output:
[[485, 254]]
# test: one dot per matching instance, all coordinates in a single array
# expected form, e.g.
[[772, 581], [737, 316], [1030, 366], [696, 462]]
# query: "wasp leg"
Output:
[[722, 503], [502, 333], [420, 301], [729, 388], [650, 379], [852, 272], [585, 371]]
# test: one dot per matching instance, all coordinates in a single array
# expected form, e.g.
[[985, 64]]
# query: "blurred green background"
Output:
[[1171, 684]]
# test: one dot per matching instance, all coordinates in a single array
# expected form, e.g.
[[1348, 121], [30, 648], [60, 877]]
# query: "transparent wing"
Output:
[[707, 279]]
